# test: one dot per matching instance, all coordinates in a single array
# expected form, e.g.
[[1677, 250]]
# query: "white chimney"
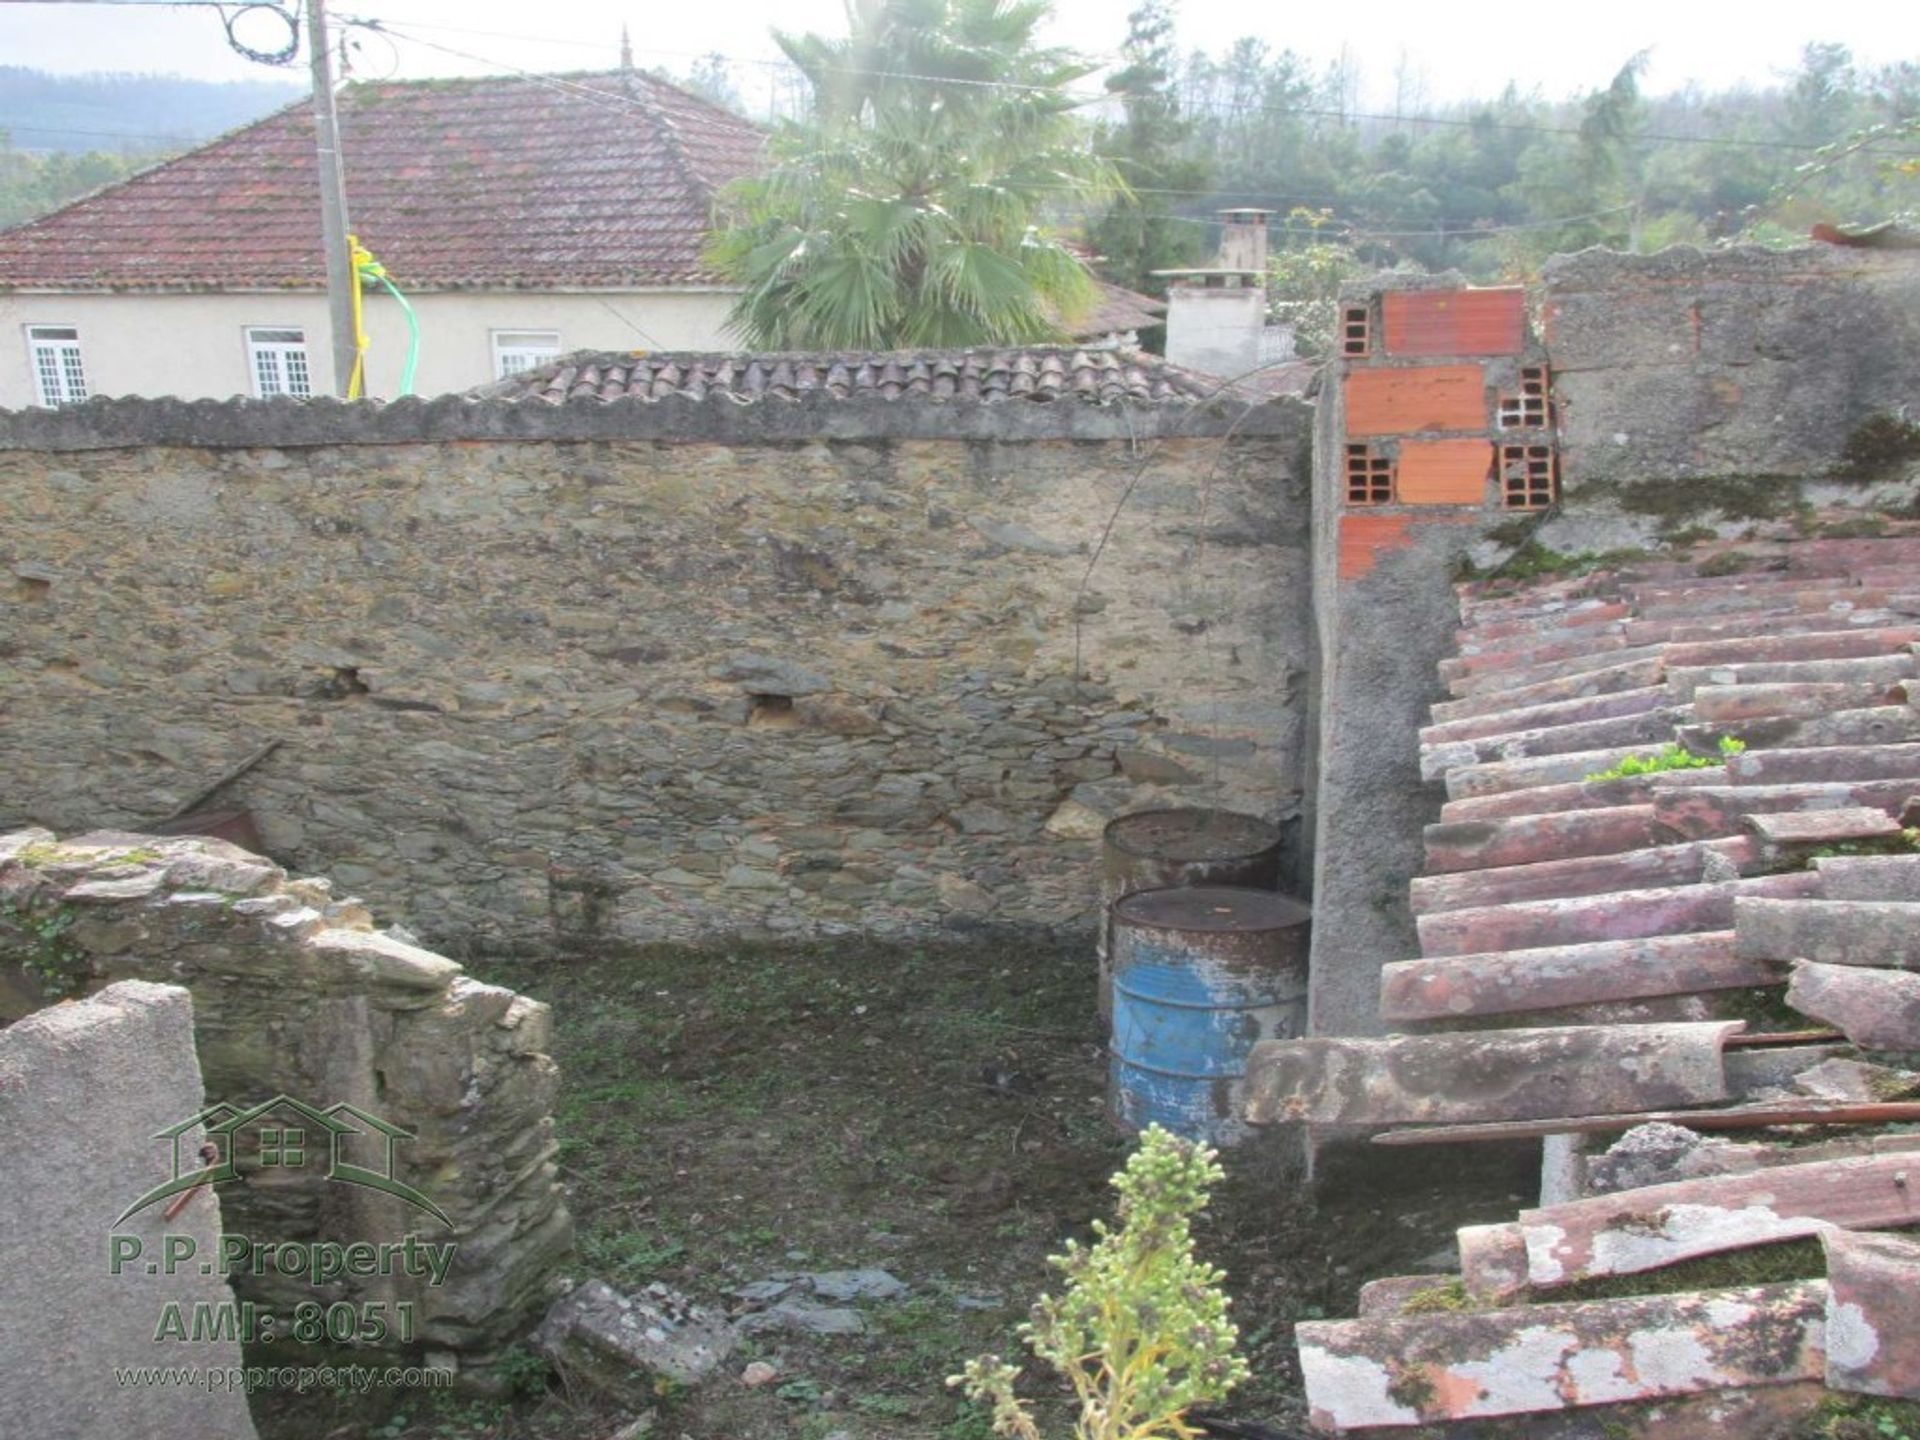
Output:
[[1216, 316]]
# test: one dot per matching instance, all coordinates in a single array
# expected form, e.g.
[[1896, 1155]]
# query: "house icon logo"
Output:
[[284, 1134]]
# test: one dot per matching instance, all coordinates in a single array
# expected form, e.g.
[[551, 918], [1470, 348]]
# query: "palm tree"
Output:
[[903, 212]]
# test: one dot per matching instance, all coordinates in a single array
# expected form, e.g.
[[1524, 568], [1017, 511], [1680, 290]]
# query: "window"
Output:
[[58, 376], [515, 351], [1529, 477], [1369, 476], [278, 360]]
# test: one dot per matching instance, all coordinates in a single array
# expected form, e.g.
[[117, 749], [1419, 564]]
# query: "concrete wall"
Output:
[[194, 346], [659, 671], [296, 994], [1215, 330], [83, 1090], [1745, 363]]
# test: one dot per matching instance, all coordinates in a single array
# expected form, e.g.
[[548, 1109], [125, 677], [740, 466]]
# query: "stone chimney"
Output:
[[1243, 241]]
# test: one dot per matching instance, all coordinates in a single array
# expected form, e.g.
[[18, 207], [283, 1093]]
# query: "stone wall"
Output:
[[659, 670], [1721, 387], [83, 1090], [295, 994]]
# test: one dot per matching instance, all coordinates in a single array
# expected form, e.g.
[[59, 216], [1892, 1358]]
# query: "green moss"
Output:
[[1733, 497], [1446, 1298], [1907, 842], [1861, 527], [1413, 1389], [1534, 561], [1763, 1007], [1800, 1259], [1880, 445], [1727, 562]]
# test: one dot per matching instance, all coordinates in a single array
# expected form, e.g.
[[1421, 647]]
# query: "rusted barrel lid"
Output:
[[1192, 834], [1212, 909]]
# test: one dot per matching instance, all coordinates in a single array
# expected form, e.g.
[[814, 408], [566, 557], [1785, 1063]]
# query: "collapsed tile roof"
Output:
[[1621, 927], [528, 182], [1036, 374]]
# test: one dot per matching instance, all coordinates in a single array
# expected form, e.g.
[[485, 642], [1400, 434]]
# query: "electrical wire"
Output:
[[1480, 121]]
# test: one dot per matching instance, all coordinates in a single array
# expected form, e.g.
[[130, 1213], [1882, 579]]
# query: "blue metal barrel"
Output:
[[1200, 976], [1159, 849]]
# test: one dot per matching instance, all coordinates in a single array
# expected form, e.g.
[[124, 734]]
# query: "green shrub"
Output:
[[1141, 1333]]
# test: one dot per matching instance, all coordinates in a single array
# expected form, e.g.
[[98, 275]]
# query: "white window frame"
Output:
[[517, 351], [53, 354], [277, 365]]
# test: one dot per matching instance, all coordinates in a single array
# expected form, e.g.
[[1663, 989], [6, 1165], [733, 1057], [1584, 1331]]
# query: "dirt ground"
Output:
[[936, 1111]]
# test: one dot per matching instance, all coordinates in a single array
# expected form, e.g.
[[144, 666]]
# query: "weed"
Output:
[[1858, 1417], [1141, 1332], [626, 1258], [1668, 757], [40, 940], [523, 1372]]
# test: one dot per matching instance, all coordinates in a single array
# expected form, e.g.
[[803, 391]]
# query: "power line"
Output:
[[1223, 109], [7, 127]]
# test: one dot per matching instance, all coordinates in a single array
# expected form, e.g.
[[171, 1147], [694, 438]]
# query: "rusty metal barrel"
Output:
[[1200, 976], [1162, 849]]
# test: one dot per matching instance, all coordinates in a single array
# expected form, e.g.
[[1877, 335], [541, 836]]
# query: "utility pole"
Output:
[[333, 199]]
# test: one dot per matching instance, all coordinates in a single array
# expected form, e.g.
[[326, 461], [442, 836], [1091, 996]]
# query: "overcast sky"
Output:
[[1456, 51]]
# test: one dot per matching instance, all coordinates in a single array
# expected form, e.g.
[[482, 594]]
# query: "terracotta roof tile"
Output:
[[1591, 907], [1038, 374], [602, 180]]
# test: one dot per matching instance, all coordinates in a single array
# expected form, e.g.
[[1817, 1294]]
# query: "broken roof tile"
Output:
[[1528, 1074], [1632, 1231], [1878, 933], [1533, 1359], [1873, 1314], [1875, 1009], [1822, 827], [1869, 877]]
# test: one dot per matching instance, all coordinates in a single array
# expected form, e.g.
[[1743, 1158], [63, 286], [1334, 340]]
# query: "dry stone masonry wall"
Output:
[[561, 688], [296, 994]]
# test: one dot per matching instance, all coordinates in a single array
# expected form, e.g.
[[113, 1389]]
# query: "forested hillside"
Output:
[[63, 135], [1488, 188]]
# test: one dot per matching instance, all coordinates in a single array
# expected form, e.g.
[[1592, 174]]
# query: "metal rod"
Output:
[[1747, 1117], [333, 199]]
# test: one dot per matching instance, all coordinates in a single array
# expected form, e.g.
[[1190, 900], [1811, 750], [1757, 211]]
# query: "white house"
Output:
[[523, 217]]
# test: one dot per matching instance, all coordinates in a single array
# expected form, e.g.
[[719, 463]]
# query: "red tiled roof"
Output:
[[497, 183], [1034, 374], [1612, 918]]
